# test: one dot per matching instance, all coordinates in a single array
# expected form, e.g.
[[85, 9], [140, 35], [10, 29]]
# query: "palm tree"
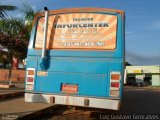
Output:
[[28, 13], [14, 27], [4, 9]]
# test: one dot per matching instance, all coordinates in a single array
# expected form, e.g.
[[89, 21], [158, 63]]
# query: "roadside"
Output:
[[157, 88], [6, 93], [13, 105]]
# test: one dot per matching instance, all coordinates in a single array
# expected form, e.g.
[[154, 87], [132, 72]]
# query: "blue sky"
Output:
[[142, 23]]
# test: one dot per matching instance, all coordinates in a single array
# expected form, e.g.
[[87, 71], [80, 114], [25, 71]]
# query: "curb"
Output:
[[11, 95], [142, 88], [7, 86]]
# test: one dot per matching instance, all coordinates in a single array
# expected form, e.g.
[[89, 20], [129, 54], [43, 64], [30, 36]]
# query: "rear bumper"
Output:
[[74, 100]]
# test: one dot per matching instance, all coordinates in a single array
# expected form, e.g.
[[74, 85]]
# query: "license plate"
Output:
[[67, 88]]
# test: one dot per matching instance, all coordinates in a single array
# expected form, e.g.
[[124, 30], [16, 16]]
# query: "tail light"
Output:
[[115, 76], [30, 72], [115, 84], [30, 79]]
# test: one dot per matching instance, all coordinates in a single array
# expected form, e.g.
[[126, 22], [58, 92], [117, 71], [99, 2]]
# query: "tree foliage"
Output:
[[14, 36], [15, 32], [127, 64], [4, 9], [28, 13]]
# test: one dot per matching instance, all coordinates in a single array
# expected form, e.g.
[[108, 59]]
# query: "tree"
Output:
[[28, 13], [127, 64], [4, 9], [15, 33], [3, 58], [14, 36]]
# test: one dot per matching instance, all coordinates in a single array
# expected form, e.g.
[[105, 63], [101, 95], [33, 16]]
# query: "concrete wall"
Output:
[[17, 75], [143, 69], [155, 80]]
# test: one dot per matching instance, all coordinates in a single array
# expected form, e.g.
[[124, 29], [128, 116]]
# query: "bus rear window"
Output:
[[78, 31]]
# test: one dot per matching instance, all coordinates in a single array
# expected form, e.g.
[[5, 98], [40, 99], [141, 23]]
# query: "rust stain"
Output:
[[67, 99]]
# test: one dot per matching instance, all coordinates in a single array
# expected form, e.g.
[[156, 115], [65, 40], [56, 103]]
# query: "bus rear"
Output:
[[76, 57]]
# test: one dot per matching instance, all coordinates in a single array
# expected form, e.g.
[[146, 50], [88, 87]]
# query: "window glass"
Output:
[[78, 31]]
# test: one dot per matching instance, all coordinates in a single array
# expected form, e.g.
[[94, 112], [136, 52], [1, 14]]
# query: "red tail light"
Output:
[[30, 79], [115, 84]]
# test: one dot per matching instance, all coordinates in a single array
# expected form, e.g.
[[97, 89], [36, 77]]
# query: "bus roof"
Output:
[[75, 10]]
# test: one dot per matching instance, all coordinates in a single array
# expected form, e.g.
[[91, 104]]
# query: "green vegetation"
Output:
[[127, 64], [14, 36], [4, 9], [28, 13], [15, 32]]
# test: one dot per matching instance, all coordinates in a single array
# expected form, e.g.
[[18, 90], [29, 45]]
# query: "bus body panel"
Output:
[[89, 70], [93, 77]]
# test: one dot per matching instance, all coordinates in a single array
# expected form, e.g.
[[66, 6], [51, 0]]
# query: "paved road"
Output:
[[18, 105], [141, 101], [136, 103]]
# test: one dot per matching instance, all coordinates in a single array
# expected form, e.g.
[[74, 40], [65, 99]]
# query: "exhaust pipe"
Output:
[[45, 33], [43, 59]]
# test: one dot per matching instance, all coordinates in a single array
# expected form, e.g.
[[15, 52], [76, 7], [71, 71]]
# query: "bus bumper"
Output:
[[74, 100]]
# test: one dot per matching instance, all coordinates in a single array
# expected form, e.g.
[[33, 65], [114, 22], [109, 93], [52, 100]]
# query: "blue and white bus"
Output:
[[76, 57]]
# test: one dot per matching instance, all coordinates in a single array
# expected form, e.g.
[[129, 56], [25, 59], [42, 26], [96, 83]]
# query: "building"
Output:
[[143, 75]]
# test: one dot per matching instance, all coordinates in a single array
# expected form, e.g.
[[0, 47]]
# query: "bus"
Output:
[[76, 57]]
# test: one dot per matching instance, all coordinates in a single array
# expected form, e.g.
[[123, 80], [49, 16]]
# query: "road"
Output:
[[141, 101], [137, 103]]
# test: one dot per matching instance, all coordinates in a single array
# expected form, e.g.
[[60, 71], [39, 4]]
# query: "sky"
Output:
[[142, 31]]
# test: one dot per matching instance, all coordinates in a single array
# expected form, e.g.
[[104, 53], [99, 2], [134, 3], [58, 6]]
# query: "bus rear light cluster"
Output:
[[115, 84], [30, 79]]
